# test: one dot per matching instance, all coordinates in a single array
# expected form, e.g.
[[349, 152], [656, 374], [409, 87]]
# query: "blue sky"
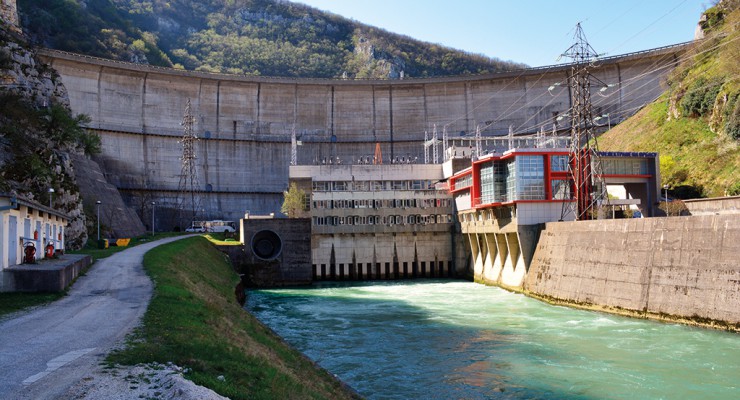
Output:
[[533, 32]]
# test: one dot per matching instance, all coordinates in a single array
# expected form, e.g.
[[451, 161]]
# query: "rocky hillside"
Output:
[[38, 134], [695, 125], [255, 37]]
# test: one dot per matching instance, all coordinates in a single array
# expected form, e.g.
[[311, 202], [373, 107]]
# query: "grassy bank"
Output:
[[13, 302], [195, 322]]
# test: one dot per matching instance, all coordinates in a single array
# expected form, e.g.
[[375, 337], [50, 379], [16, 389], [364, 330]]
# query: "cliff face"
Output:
[[38, 135], [9, 14]]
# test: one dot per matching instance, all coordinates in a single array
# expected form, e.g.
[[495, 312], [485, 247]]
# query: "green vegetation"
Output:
[[224, 238], [34, 136], [253, 37], [195, 322], [294, 202], [695, 126], [13, 302]]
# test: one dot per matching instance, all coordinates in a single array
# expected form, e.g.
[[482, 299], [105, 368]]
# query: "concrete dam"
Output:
[[245, 123]]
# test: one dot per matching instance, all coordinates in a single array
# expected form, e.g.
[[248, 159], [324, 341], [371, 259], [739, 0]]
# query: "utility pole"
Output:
[[589, 189]]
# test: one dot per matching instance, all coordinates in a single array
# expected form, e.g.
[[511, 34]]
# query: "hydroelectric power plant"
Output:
[[249, 130], [244, 124], [517, 198]]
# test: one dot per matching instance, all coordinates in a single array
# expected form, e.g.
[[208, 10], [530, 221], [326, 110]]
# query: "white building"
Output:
[[378, 221], [24, 224]]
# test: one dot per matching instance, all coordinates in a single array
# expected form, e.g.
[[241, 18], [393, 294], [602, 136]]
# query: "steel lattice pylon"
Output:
[[188, 192], [588, 188]]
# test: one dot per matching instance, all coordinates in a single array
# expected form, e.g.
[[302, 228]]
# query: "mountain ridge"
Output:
[[251, 37]]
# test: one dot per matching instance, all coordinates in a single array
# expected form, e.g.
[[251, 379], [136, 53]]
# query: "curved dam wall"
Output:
[[245, 123], [667, 268]]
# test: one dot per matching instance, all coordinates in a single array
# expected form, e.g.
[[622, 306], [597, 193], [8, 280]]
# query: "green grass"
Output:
[[224, 239], [195, 322], [13, 302]]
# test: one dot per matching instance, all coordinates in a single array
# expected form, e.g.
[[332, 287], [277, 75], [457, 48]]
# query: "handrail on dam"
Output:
[[277, 79]]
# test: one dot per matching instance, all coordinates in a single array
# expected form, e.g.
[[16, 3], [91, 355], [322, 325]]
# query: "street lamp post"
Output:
[[51, 191], [665, 187], [98, 205], [153, 204]]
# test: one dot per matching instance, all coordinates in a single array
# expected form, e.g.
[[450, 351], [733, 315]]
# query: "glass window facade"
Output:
[[624, 166], [530, 182], [464, 182], [493, 182], [486, 183]]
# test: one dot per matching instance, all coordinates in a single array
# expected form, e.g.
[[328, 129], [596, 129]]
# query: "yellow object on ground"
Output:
[[122, 242]]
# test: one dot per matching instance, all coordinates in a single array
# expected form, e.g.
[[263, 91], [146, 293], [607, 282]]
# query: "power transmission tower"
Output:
[[293, 148], [445, 145], [589, 189], [435, 147], [478, 149], [426, 148], [188, 203], [434, 144]]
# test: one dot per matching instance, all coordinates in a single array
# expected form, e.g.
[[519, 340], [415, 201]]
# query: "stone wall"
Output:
[[667, 268]]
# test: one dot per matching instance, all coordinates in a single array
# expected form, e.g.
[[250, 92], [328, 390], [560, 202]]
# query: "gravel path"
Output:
[[50, 350]]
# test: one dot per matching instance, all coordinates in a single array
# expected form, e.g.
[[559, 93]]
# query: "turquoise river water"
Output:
[[460, 340]]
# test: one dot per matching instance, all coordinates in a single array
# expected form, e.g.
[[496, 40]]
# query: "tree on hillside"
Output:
[[294, 203]]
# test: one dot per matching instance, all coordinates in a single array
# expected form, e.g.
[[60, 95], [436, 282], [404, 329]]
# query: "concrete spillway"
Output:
[[245, 123]]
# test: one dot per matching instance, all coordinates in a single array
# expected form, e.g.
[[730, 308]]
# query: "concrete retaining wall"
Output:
[[292, 265], [48, 276], [713, 206], [668, 268]]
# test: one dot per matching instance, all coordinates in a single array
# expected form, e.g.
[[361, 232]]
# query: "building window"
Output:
[[560, 189], [530, 179], [624, 166], [559, 163], [320, 186], [400, 185]]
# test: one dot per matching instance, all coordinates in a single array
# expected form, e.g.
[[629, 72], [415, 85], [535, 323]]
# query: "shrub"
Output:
[[688, 192], [732, 118], [699, 98], [734, 190], [674, 208]]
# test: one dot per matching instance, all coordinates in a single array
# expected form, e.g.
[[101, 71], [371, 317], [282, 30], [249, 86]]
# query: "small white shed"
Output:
[[25, 223]]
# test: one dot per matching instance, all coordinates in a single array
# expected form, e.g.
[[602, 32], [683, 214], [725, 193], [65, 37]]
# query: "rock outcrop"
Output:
[[41, 143]]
